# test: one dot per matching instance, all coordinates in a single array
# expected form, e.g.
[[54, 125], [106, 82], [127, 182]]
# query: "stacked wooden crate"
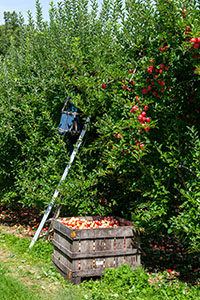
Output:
[[80, 253]]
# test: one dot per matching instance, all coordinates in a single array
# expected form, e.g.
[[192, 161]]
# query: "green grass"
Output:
[[12, 289], [41, 251], [125, 284], [35, 265]]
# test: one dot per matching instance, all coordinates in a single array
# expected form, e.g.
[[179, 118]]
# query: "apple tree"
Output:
[[134, 68]]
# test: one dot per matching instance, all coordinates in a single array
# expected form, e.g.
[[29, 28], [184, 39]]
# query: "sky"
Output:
[[23, 6]]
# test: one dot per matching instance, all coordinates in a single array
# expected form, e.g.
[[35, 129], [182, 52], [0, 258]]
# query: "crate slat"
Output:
[[108, 253]]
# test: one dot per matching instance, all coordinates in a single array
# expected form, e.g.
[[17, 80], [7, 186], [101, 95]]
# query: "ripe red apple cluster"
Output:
[[184, 12], [163, 49], [118, 135], [144, 120], [194, 42], [190, 108], [142, 117], [187, 31], [139, 146], [124, 86], [82, 223], [156, 82]]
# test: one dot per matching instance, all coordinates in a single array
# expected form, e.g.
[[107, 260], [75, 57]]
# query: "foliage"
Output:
[[10, 31], [133, 68], [122, 283]]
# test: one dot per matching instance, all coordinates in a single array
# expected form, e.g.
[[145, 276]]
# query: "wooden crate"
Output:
[[80, 253]]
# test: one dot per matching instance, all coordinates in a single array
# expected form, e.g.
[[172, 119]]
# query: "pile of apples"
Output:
[[195, 42], [77, 223]]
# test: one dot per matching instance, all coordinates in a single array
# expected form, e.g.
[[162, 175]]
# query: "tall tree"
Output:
[[9, 30]]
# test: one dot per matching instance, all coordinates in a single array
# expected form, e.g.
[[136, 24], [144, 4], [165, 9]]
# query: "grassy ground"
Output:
[[11, 288], [29, 274]]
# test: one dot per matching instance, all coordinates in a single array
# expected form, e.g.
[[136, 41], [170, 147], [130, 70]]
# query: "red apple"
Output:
[[192, 40], [144, 91], [118, 135], [196, 45], [148, 120], [134, 109]]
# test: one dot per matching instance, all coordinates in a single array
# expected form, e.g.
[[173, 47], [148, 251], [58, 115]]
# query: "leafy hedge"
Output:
[[134, 69]]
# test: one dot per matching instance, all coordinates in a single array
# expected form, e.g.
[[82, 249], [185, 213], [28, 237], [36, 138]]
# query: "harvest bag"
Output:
[[70, 120]]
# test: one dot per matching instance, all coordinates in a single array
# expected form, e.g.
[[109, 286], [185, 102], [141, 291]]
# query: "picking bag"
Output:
[[70, 120]]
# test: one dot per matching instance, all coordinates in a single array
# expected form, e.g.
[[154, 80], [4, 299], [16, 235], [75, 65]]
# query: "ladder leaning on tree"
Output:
[[56, 193]]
